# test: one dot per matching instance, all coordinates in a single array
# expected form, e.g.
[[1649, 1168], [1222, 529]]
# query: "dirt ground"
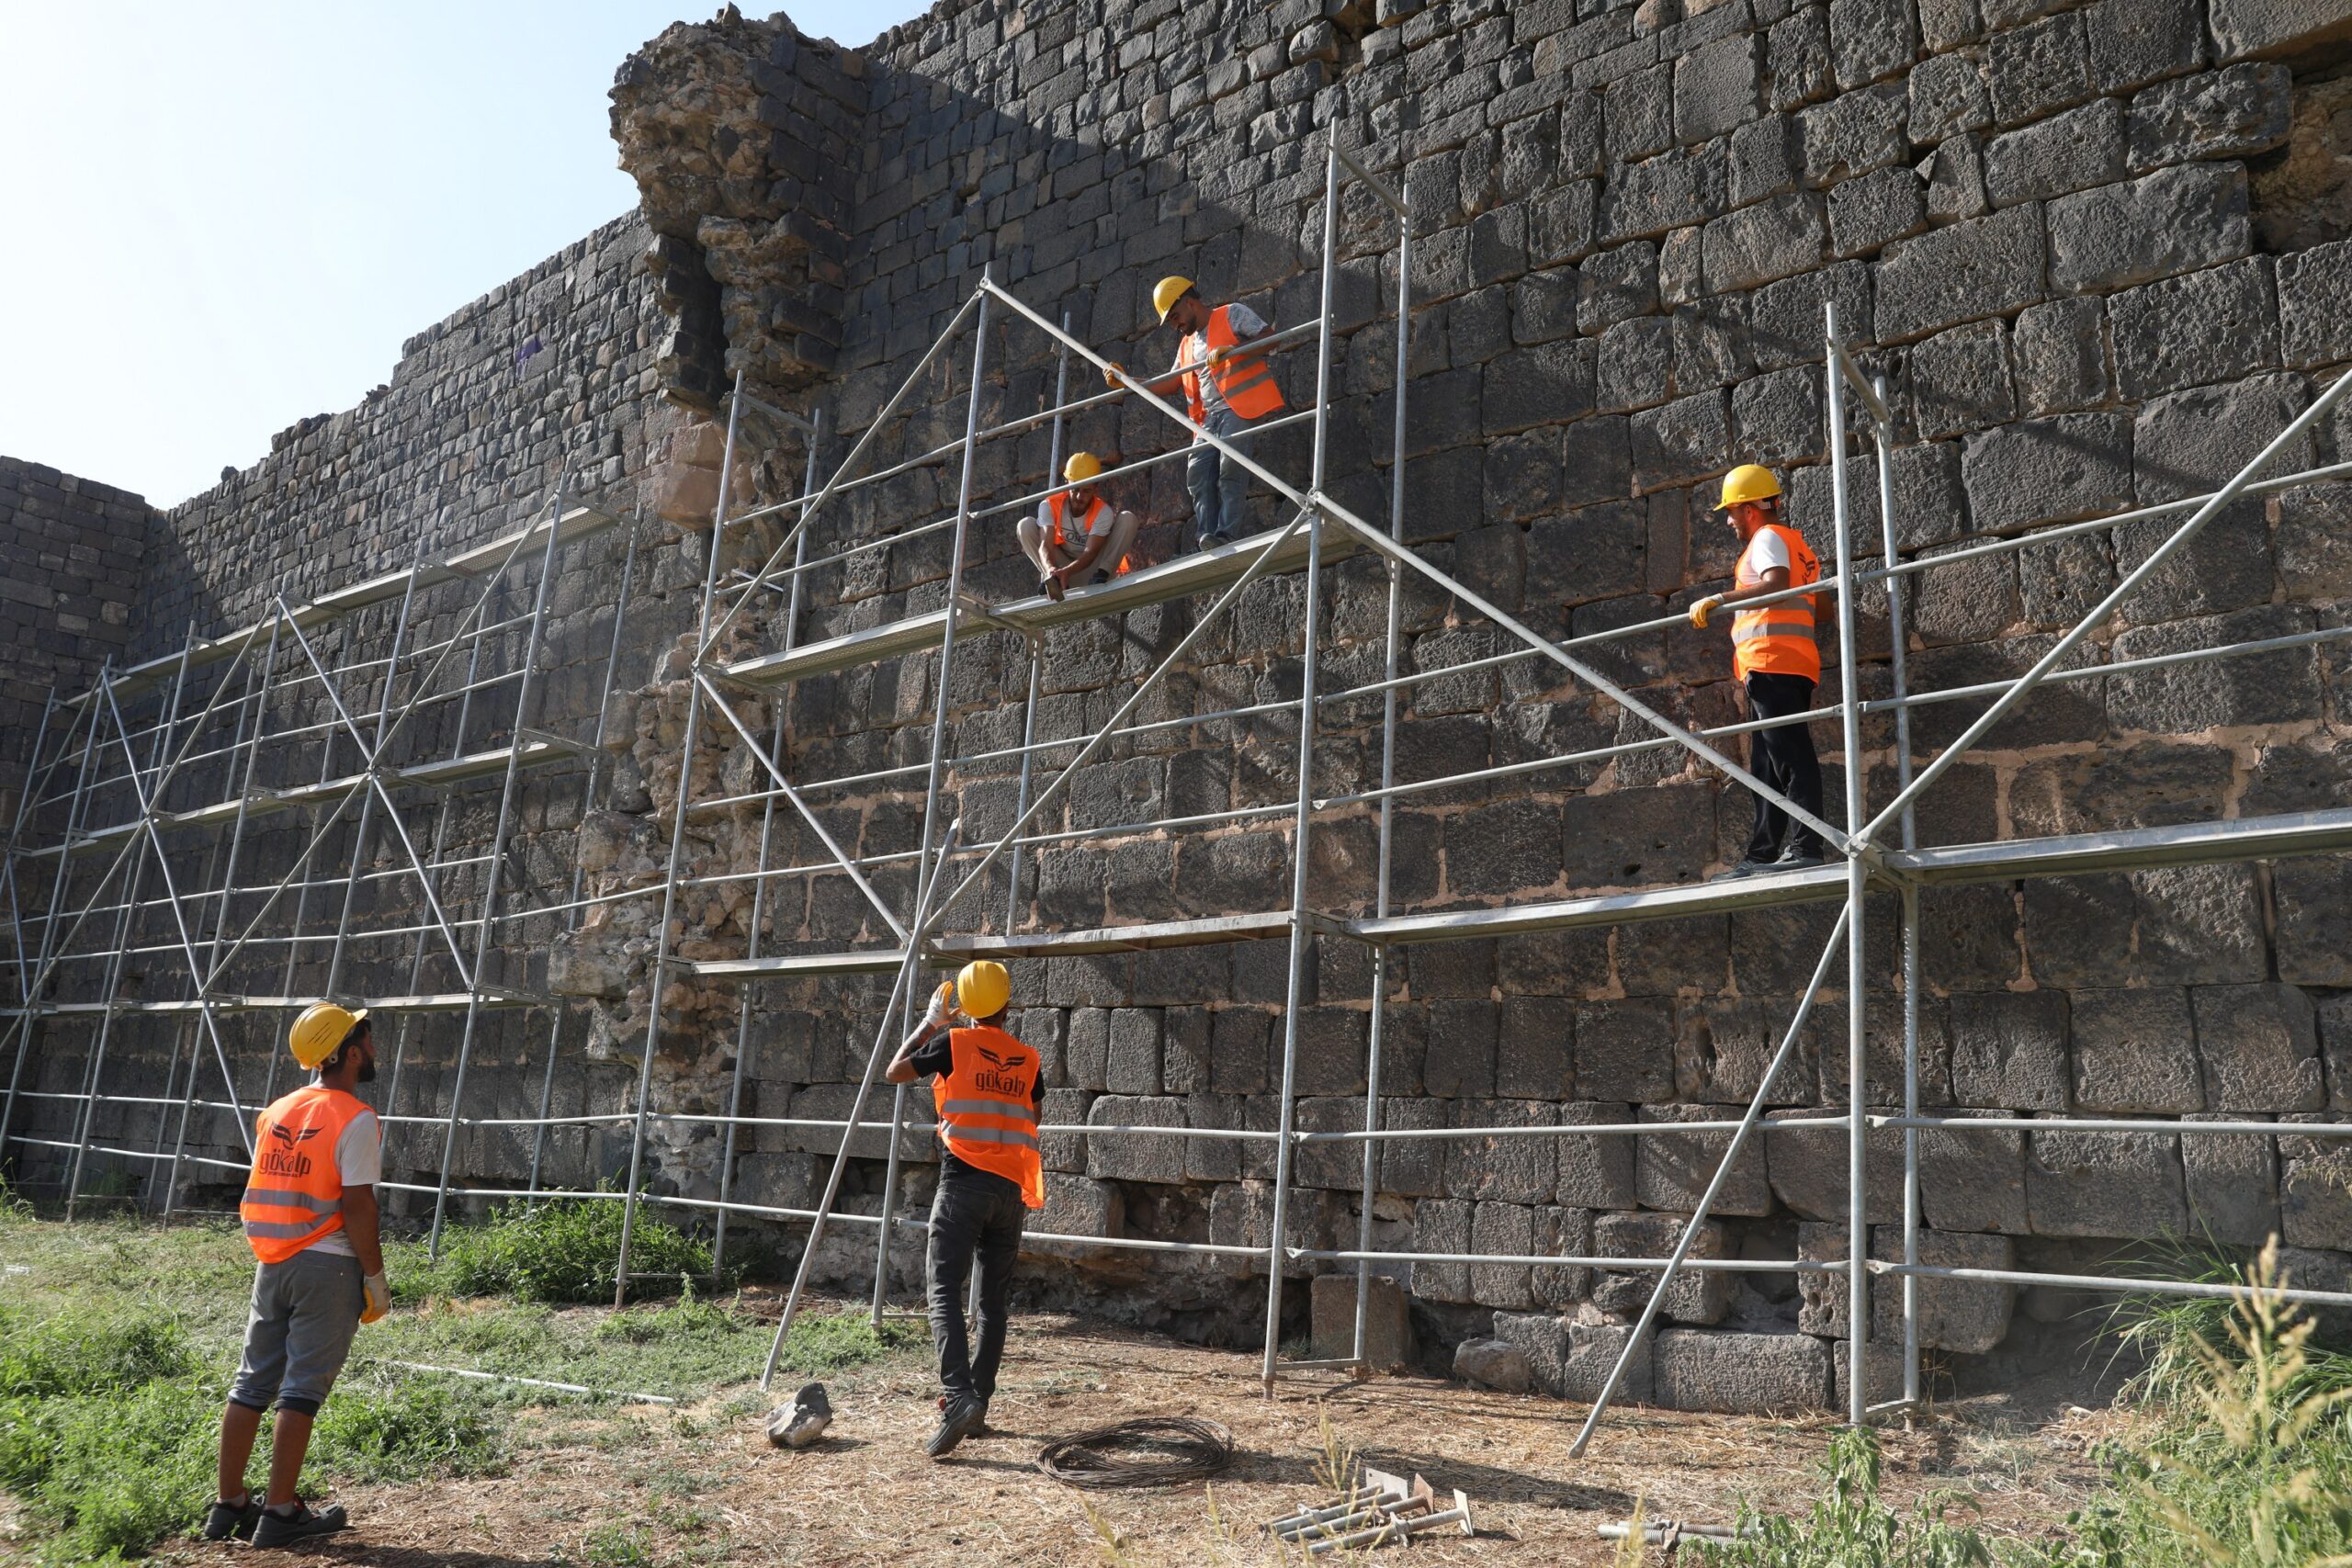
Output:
[[637, 1485]]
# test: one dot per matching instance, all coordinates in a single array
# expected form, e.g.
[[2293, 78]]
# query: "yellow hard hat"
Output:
[[983, 989], [321, 1028], [1166, 291], [1083, 466], [1749, 481]]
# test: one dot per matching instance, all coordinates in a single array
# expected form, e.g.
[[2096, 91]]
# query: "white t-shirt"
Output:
[[1193, 352], [1096, 525], [1764, 552], [359, 1160]]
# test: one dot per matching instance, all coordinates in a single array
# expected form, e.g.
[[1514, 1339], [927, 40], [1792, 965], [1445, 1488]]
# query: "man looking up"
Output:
[[311, 1217], [985, 1087], [1226, 389], [1090, 552], [1773, 654]]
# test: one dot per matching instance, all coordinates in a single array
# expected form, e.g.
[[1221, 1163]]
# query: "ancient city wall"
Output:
[[2099, 253]]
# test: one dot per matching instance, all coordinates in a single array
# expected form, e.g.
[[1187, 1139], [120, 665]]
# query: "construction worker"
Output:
[[1091, 552], [1775, 657], [311, 1217], [1225, 391], [986, 1089]]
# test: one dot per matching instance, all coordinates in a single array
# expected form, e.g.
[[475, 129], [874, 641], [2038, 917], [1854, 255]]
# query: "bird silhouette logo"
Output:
[[290, 1137], [993, 1059]]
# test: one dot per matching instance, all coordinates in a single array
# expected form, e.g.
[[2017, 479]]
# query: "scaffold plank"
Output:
[[858, 960], [1189, 574], [435, 1001], [2135, 849], [1273, 925], [1819, 884]]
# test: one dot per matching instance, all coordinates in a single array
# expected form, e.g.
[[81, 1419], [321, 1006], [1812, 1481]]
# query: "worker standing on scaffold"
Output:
[[1091, 547], [1775, 657], [309, 1215], [986, 1089], [1227, 390]]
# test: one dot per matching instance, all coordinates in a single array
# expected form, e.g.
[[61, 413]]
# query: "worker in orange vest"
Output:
[[986, 1089], [1775, 657], [1226, 389], [1089, 549], [311, 1217]]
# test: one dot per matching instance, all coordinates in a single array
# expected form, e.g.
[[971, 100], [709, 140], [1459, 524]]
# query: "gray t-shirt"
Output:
[[1194, 351], [359, 1157]]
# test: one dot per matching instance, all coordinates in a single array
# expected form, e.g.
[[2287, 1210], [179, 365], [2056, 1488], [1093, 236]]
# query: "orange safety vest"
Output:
[[1062, 544], [1246, 384], [294, 1195], [988, 1110], [1777, 638]]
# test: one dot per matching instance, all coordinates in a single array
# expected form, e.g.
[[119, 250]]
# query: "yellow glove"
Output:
[[378, 1301], [1703, 608]]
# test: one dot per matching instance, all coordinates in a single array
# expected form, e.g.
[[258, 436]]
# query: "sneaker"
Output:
[[283, 1529], [1216, 540], [981, 1426], [237, 1519], [1745, 868], [957, 1422], [1797, 859]]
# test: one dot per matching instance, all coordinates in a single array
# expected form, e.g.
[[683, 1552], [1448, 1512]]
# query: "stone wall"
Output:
[[2096, 251]]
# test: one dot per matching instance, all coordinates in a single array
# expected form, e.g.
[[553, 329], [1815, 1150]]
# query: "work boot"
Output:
[[283, 1529], [957, 1422], [1211, 541], [1796, 859], [238, 1520], [1745, 868], [979, 1427]]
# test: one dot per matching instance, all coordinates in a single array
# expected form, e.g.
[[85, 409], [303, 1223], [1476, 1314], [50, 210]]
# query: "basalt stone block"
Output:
[[1773, 239], [1076, 1206], [1626, 1050], [1854, 133], [1616, 286], [2057, 156], [1542, 1340], [1502, 1229], [1968, 1315], [1715, 88], [2315, 305], [1797, 60], [1808, 1168], [1672, 1169], [1740, 1374], [1764, 160], [2304, 1269], [2313, 897], [2047, 470], [2232, 1184], [1534, 1050], [1948, 97], [1387, 1325], [1673, 190], [1871, 39], [1638, 113], [1634, 366], [1710, 344], [2133, 42], [1596, 1171], [1597, 460], [1441, 1224], [1778, 418], [1956, 177], [1501, 1168], [1876, 210], [2134, 1052], [1699, 1296], [2037, 69], [1972, 1180], [2009, 1049], [1133, 1065], [1685, 440], [1961, 381], [1562, 1233], [2172, 222], [1784, 318], [1135, 1157], [1238, 1051], [2214, 325], [2232, 113], [2059, 350], [2266, 30], [2315, 1191], [2259, 1044], [2198, 925], [1989, 267], [1413, 1168], [1064, 1107], [1331, 1050], [2104, 1184]]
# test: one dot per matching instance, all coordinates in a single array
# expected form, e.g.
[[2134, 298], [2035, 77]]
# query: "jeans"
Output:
[[305, 1312], [1220, 486], [975, 1218], [1783, 757]]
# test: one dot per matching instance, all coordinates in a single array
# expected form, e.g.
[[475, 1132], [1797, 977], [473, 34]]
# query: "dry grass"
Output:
[[701, 1484]]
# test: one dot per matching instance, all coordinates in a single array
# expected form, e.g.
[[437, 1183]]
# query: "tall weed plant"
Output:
[[564, 1252]]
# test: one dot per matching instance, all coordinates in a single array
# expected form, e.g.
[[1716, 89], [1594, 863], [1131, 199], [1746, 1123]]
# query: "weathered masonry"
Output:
[[2093, 258]]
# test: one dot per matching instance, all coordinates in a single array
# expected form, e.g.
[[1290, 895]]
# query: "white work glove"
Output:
[[1114, 375], [378, 1299], [942, 1003], [1703, 608]]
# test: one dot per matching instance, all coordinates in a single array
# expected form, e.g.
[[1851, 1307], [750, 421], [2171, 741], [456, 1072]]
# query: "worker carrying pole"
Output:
[[1775, 657], [1227, 388], [1090, 551], [985, 1087], [311, 1217]]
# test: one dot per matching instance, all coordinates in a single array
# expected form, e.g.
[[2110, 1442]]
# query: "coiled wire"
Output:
[[1154, 1450]]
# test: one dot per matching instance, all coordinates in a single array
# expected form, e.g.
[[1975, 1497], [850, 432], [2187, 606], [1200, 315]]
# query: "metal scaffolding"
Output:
[[929, 906]]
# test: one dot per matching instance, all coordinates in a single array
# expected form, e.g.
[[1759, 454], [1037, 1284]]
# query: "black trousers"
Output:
[[1783, 758], [975, 1219]]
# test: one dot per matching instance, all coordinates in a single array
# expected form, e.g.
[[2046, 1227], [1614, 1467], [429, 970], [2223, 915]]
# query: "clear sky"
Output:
[[223, 215]]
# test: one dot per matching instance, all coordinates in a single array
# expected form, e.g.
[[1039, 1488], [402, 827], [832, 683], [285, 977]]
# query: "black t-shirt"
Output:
[[936, 1057]]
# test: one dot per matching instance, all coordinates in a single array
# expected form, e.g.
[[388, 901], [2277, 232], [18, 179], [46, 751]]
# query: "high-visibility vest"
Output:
[[294, 1195], [1061, 543], [1247, 384], [1777, 638], [986, 1107]]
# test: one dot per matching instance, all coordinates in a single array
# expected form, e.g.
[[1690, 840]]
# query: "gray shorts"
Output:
[[305, 1311]]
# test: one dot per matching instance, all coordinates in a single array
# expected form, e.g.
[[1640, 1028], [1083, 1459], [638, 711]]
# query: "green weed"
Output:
[[1850, 1526], [840, 1340], [564, 1252]]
